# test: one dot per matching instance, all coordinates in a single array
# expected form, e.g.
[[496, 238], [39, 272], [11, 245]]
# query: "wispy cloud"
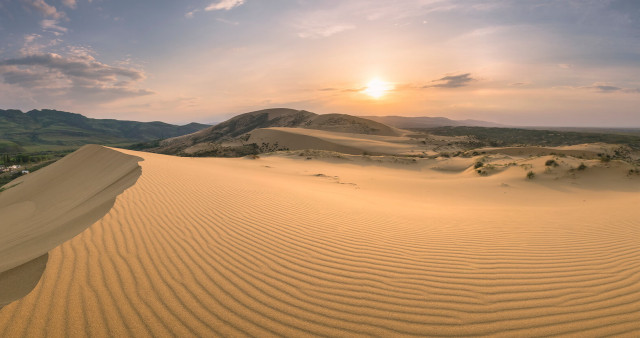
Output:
[[190, 14], [607, 88], [224, 5], [70, 3], [36, 43], [45, 9], [452, 81], [323, 31], [53, 26]]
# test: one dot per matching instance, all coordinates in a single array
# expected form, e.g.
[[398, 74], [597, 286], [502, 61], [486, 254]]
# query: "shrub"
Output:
[[531, 175], [582, 166], [478, 165], [551, 163]]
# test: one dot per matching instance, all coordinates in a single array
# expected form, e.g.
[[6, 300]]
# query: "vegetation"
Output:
[[478, 165], [505, 137], [52, 130], [551, 163], [531, 175], [582, 166], [27, 161], [605, 158]]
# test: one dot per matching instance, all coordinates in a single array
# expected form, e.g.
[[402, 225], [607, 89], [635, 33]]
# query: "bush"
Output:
[[531, 175], [478, 165], [582, 166], [551, 163]]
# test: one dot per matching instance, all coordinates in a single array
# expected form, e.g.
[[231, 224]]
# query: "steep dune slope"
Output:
[[44, 209]]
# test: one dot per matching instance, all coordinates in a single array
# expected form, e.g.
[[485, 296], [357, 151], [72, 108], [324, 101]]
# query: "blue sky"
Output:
[[555, 62]]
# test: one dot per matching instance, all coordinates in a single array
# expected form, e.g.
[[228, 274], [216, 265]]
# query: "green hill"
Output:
[[39, 130]]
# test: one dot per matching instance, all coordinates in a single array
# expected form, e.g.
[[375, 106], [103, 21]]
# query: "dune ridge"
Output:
[[290, 247], [44, 209]]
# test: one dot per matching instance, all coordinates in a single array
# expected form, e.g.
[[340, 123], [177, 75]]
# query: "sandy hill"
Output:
[[346, 143], [324, 244], [239, 128]]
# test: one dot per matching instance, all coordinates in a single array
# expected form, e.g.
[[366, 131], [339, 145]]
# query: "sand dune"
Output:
[[46, 208], [284, 246], [348, 143]]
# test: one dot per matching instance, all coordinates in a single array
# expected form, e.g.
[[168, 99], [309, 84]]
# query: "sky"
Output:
[[517, 62]]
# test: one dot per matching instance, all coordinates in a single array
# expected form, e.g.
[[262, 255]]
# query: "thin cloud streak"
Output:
[[452, 81], [224, 5]]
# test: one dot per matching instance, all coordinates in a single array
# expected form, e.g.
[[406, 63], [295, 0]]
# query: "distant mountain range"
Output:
[[406, 122], [38, 130]]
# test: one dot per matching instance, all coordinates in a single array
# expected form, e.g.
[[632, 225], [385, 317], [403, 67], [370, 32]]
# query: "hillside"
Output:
[[52, 130], [228, 138], [428, 122]]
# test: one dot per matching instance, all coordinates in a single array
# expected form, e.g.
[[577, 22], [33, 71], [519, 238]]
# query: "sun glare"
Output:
[[376, 88]]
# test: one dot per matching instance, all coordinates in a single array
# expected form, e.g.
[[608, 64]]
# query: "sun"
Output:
[[376, 88]]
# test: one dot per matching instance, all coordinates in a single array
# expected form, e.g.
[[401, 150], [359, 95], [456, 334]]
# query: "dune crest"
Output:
[[44, 209]]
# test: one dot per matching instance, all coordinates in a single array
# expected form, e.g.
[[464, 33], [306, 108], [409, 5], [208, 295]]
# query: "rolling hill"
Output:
[[53, 130], [229, 136]]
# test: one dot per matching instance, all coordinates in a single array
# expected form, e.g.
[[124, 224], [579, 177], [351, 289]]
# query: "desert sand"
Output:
[[329, 245]]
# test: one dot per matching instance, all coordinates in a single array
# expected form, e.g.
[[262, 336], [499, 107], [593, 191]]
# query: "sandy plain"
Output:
[[325, 244]]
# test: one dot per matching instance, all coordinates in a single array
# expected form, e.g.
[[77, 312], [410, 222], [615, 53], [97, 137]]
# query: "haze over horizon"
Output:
[[560, 63]]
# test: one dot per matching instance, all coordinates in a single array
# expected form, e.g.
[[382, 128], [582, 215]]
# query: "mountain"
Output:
[[429, 122], [51, 129], [238, 128]]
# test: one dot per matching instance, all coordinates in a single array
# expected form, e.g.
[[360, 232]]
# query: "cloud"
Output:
[[190, 14], [323, 31], [607, 89], [224, 5], [45, 9], [70, 3], [452, 81], [52, 25], [77, 75], [36, 43]]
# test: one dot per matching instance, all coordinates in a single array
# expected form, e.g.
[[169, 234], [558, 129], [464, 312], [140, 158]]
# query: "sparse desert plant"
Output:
[[531, 175], [605, 158], [551, 163], [582, 166], [478, 165]]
